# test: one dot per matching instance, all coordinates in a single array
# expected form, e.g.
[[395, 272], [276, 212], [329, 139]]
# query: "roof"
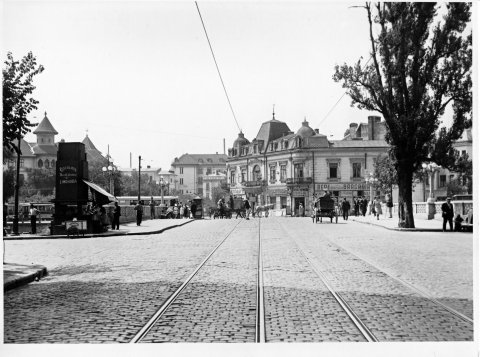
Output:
[[305, 130], [88, 144], [358, 143], [93, 154], [45, 149], [271, 130], [45, 127], [200, 159], [241, 140]]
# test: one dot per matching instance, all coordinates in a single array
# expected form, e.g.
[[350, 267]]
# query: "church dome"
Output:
[[240, 141], [305, 130]]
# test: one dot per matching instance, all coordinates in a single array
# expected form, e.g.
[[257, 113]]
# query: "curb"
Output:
[[400, 229], [112, 234], [24, 279]]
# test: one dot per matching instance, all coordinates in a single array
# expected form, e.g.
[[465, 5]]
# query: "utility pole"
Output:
[[139, 168]]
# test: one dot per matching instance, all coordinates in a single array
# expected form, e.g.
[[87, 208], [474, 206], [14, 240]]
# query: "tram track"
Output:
[[173, 299]]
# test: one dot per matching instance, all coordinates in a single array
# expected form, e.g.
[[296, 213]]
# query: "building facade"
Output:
[[286, 169], [199, 173]]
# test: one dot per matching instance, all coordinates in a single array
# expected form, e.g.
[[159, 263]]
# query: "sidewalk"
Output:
[[422, 224], [15, 275]]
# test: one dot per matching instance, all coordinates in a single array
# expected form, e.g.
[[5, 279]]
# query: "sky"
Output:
[[139, 77]]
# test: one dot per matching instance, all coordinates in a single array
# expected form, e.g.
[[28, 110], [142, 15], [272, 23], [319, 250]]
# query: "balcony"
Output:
[[254, 183], [299, 180]]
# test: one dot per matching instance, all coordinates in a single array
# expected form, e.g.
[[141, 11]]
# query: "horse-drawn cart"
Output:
[[325, 206]]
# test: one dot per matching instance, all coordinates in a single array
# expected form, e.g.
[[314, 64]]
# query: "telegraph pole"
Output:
[[139, 168]]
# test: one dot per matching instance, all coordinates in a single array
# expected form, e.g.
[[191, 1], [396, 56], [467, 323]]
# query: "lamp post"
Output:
[[430, 169], [110, 169], [370, 180]]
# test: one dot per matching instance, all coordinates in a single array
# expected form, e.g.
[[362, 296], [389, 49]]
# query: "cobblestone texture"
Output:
[[220, 303], [391, 310]]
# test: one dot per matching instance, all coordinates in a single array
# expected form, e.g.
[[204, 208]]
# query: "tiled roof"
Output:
[[45, 127], [271, 130], [88, 144], [45, 149], [201, 159], [358, 143], [26, 148]]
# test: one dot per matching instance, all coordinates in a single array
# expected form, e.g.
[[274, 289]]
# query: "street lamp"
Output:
[[430, 169], [370, 180], [110, 169]]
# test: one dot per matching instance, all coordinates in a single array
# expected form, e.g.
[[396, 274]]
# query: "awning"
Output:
[[104, 195]]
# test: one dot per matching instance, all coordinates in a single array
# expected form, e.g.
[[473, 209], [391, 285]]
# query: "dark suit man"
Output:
[[447, 214]]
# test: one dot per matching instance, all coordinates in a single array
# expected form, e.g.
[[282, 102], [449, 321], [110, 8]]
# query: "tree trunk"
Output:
[[405, 209]]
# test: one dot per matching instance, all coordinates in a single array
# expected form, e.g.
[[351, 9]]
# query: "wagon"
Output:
[[325, 206]]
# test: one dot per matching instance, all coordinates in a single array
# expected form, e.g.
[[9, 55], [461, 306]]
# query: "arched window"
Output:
[[40, 163], [47, 164], [257, 173]]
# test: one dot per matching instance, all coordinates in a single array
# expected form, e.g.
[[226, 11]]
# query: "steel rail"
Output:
[[419, 291], [364, 330], [151, 322], [260, 317]]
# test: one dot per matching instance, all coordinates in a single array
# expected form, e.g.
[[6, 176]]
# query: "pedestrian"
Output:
[[246, 205], [345, 208], [152, 208], [356, 206], [363, 206], [458, 223], [139, 208], [33, 219], [182, 210], [116, 217], [447, 214], [185, 211], [95, 218], [301, 210], [389, 205], [193, 209], [377, 204]]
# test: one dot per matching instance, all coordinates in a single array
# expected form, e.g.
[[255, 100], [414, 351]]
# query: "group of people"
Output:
[[98, 213]]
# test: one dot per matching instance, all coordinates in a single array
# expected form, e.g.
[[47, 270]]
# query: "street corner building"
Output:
[[286, 169]]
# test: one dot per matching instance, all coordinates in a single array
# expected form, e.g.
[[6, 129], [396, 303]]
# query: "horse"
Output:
[[265, 209]]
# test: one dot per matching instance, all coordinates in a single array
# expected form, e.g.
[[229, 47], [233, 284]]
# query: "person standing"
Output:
[[193, 208], [447, 214], [345, 208], [33, 218], [116, 217], [377, 204], [139, 209], [246, 204], [152, 208], [301, 211], [355, 206], [389, 205]]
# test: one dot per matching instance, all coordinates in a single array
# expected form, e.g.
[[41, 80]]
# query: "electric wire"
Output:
[[218, 69]]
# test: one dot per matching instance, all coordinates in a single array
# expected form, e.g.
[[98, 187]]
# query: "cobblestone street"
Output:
[[105, 289]]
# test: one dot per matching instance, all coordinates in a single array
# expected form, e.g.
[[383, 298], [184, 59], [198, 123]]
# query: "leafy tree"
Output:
[[17, 101], [42, 180], [8, 184], [418, 68], [385, 173], [129, 186]]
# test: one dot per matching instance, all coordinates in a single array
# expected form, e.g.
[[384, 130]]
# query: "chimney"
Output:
[[372, 120], [353, 129], [317, 131]]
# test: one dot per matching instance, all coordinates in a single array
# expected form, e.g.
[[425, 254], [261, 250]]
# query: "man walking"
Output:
[[447, 214], [345, 208], [33, 219], [246, 204], [116, 217], [139, 209]]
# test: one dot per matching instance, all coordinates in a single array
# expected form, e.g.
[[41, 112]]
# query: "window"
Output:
[[298, 170], [232, 177], [272, 173], [257, 173], [286, 144], [356, 169], [244, 175], [333, 170], [464, 152], [207, 186], [283, 202], [200, 191], [443, 180], [47, 164], [209, 171], [181, 181], [40, 163], [21, 162], [181, 170], [283, 172]]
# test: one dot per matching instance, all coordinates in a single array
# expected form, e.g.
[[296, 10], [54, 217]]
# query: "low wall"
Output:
[[461, 207]]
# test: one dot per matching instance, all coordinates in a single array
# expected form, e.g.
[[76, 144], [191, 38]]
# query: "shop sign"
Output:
[[237, 191], [347, 186], [277, 192], [300, 192], [67, 174]]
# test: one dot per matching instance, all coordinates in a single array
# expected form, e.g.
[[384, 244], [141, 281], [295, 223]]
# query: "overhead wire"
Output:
[[216, 65]]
